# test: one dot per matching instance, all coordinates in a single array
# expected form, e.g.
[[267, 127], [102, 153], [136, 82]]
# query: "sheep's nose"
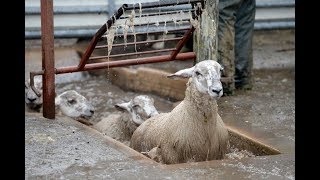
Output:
[[92, 111], [31, 99], [216, 91]]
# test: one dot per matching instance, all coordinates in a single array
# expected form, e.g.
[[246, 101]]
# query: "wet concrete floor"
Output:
[[64, 148]]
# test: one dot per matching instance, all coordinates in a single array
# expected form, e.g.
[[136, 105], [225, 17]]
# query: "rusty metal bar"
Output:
[[135, 53], [140, 42], [47, 38], [122, 63], [182, 42], [98, 34], [127, 62]]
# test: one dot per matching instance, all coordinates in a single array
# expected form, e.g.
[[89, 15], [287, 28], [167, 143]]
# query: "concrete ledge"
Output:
[[149, 80], [245, 142]]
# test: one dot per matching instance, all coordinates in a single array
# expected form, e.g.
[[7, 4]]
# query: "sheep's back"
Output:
[[183, 135], [147, 135], [114, 126]]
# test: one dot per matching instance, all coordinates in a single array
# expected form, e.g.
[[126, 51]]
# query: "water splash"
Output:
[[236, 153]]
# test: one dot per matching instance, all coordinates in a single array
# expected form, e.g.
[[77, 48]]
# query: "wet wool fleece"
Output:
[[193, 131], [118, 126]]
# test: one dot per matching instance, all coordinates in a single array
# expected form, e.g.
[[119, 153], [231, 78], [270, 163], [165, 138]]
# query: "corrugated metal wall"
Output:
[[82, 18]]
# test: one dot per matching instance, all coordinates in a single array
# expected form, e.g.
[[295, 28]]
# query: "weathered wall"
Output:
[[205, 37]]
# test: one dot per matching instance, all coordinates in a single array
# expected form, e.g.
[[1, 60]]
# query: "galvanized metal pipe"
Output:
[[48, 58], [83, 33], [288, 24], [161, 3], [159, 13]]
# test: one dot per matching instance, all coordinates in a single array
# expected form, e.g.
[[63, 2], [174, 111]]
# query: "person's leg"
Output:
[[244, 26], [226, 36]]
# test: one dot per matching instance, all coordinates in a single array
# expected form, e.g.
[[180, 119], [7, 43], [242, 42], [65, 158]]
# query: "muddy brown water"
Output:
[[270, 105], [104, 95]]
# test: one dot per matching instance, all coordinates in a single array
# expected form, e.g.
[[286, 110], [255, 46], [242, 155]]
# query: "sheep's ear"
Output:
[[221, 67], [57, 101], [123, 106], [184, 73], [26, 84]]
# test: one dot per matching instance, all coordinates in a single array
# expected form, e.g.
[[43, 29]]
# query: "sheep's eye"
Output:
[[72, 101], [197, 73], [135, 106]]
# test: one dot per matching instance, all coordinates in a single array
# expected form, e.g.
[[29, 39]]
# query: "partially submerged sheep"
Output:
[[69, 103], [120, 126], [33, 101], [193, 131], [74, 105]]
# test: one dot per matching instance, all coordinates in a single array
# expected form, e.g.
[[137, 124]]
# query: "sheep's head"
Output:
[[74, 105], [31, 99], [140, 108], [206, 77]]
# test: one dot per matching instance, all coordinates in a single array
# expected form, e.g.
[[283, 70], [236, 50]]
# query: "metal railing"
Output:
[[101, 36]]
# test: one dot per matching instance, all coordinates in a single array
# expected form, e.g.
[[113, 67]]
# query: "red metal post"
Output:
[[182, 42], [47, 38]]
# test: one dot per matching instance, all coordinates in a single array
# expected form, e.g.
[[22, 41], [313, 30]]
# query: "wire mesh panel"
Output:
[[134, 29]]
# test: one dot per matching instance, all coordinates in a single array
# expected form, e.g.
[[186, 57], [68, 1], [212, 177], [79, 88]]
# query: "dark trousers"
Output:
[[235, 32]]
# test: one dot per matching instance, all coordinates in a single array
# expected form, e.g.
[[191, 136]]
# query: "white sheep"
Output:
[[120, 126], [193, 131], [33, 101], [69, 103], [72, 104]]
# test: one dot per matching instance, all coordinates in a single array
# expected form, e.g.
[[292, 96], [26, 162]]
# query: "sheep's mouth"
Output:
[[84, 121], [85, 116], [216, 94], [34, 106]]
